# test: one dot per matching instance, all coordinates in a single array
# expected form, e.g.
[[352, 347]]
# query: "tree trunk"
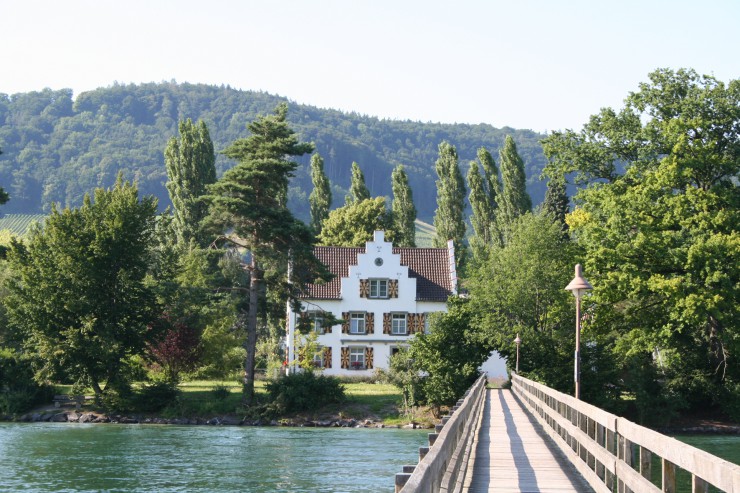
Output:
[[251, 343]]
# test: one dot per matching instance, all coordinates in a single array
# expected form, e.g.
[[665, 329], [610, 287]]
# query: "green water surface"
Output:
[[41, 457]]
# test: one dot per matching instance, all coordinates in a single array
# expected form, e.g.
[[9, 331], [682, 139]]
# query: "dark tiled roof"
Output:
[[428, 265]]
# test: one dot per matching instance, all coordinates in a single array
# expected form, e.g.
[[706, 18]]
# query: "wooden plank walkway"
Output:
[[513, 454]]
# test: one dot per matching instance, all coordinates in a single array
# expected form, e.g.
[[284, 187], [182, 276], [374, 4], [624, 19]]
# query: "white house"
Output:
[[383, 294]]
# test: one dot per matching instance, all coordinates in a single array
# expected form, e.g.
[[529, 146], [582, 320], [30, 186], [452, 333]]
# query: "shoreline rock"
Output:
[[88, 417]]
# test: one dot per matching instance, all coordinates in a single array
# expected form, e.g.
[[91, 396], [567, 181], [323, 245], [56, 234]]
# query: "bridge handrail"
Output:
[[607, 449], [443, 466]]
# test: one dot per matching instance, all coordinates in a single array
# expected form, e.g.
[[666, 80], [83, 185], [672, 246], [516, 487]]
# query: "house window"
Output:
[[318, 359], [317, 322], [357, 323], [398, 324], [378, 288], [357, 358]]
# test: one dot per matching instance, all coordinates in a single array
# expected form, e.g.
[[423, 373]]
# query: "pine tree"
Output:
[[357, 189], [449, 219], [190, 163], [403, 209], [249, 201], [320, 198], [515, 199]]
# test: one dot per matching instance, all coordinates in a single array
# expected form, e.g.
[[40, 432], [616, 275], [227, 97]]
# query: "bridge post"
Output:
[[401, 479]]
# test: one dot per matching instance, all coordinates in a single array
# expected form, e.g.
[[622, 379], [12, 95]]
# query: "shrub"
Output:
[[221, 392], [155, 397], [303, 391], [19, 392]]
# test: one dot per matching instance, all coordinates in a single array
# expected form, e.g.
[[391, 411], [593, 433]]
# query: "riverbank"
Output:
[[60, 416]]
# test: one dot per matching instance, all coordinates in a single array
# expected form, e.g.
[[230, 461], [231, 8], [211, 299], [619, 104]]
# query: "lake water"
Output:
[[43, 457]]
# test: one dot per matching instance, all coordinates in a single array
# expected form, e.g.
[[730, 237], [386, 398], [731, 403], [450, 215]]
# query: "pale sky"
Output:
[[540, 65]]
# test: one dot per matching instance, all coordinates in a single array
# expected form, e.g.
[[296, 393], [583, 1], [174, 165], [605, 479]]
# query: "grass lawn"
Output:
[[364, 400]]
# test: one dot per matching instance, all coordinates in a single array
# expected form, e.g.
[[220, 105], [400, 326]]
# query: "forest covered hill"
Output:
[[56, 148]]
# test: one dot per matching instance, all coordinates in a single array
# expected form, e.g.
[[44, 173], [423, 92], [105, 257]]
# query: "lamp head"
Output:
[[579, 284], [517, 341]]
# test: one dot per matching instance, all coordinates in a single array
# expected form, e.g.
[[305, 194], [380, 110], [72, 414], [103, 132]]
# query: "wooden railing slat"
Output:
[[586, 433]]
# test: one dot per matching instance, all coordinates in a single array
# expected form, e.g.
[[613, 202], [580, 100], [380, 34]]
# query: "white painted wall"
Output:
[[367, 268]]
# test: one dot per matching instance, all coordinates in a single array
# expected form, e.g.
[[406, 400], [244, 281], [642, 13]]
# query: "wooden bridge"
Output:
[[534, 439]]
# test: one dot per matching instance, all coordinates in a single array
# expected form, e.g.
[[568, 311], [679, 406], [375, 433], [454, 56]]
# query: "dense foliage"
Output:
[[403, 210], [320, 198], [191, 166], [56, 148], [78, 295], [305, 391], [354, 224], [250, 201], [19, 390], [449, 218], [659, 222]]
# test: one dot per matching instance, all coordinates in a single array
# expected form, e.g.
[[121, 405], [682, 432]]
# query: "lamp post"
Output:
[[578, 286], [517, 341]]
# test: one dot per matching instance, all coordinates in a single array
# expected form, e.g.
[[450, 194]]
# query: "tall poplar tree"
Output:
[[248, 200], [482, 217], [191, 166], [515, 200], [3, 194], [320, 198], [449, 219], [556, 202], [403, 209], [357, 189], [485, 191], [490, 174]]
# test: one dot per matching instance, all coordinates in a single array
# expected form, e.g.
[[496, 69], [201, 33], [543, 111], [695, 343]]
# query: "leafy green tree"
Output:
[[320, 198], [403, 374], [515, 200], [449, 221], [354, 224], [190, 163], [79, 293], [249, 201], [450, 355], [661, 238], [520, 290], [403, 209], [357, 189]]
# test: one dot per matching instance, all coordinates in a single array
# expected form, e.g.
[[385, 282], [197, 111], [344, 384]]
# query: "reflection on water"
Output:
[[72, 458]]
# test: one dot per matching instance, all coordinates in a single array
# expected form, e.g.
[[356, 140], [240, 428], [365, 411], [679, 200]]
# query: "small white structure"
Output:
[[383, 294]]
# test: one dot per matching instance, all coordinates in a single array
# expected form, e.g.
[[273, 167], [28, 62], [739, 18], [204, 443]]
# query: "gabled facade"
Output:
[[384, 296]]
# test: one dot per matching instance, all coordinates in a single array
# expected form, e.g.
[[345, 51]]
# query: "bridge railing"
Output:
[[614, 454], [443, 464]]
